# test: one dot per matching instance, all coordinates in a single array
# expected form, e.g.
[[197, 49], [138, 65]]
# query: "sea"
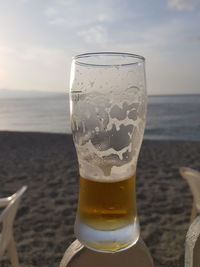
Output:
[[169, 117]]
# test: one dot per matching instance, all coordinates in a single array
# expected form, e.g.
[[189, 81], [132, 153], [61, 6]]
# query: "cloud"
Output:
[[183, 4], [73, 14], [41, 55], [105, 17], [33, 66], [198, 38], [5, 50], [24, 1], [59, 22], [193, 38], [50, 11], [96, 34], [67, 2]]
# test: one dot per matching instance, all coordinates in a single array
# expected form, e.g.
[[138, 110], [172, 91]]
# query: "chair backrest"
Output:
[[7, 218], [192, 244], [79, 256], [193, 179]]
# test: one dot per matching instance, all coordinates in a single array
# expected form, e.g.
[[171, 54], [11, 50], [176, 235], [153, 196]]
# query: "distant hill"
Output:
[[14, 93]]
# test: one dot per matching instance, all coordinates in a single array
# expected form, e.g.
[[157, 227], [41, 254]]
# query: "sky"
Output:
[[38, 38]]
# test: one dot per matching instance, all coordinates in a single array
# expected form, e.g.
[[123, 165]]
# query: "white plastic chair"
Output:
[[193, 179], [7, 243], [192, 244], [77, 255]]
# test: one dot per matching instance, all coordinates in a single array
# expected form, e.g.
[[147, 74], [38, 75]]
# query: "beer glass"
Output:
[[108, 113]]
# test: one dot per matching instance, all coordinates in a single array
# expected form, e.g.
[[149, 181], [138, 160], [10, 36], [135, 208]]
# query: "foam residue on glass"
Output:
[[108, 121]]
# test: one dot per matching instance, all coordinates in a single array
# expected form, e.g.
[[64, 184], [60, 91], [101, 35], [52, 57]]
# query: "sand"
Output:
[[47, 164]]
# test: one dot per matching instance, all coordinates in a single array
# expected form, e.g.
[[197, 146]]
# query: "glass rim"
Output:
[[137, 58]]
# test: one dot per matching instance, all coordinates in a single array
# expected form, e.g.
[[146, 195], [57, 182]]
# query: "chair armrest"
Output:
[[78, 255], [192, 244], [5, 201]]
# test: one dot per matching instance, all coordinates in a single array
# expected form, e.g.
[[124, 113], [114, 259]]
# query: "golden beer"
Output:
[[107, 205]]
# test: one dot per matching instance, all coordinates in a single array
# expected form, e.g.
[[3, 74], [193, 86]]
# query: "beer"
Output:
[[106, 218], [107, 205]]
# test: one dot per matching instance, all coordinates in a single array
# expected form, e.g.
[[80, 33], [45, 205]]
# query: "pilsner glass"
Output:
[[108, 114]]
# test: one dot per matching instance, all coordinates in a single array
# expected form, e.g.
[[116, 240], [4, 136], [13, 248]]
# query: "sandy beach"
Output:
[[47, 164]]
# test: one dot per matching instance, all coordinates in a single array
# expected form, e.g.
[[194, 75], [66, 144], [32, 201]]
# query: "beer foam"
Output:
[[95, 173], [108, 131], [97, 166]]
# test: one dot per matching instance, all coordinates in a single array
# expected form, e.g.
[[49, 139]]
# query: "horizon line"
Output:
[[67, 91]]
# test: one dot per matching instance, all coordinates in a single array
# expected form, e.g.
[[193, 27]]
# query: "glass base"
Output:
[[107, 241]]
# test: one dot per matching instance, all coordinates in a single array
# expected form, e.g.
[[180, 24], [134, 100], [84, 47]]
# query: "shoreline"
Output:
[[148, 139], [47, 164]]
